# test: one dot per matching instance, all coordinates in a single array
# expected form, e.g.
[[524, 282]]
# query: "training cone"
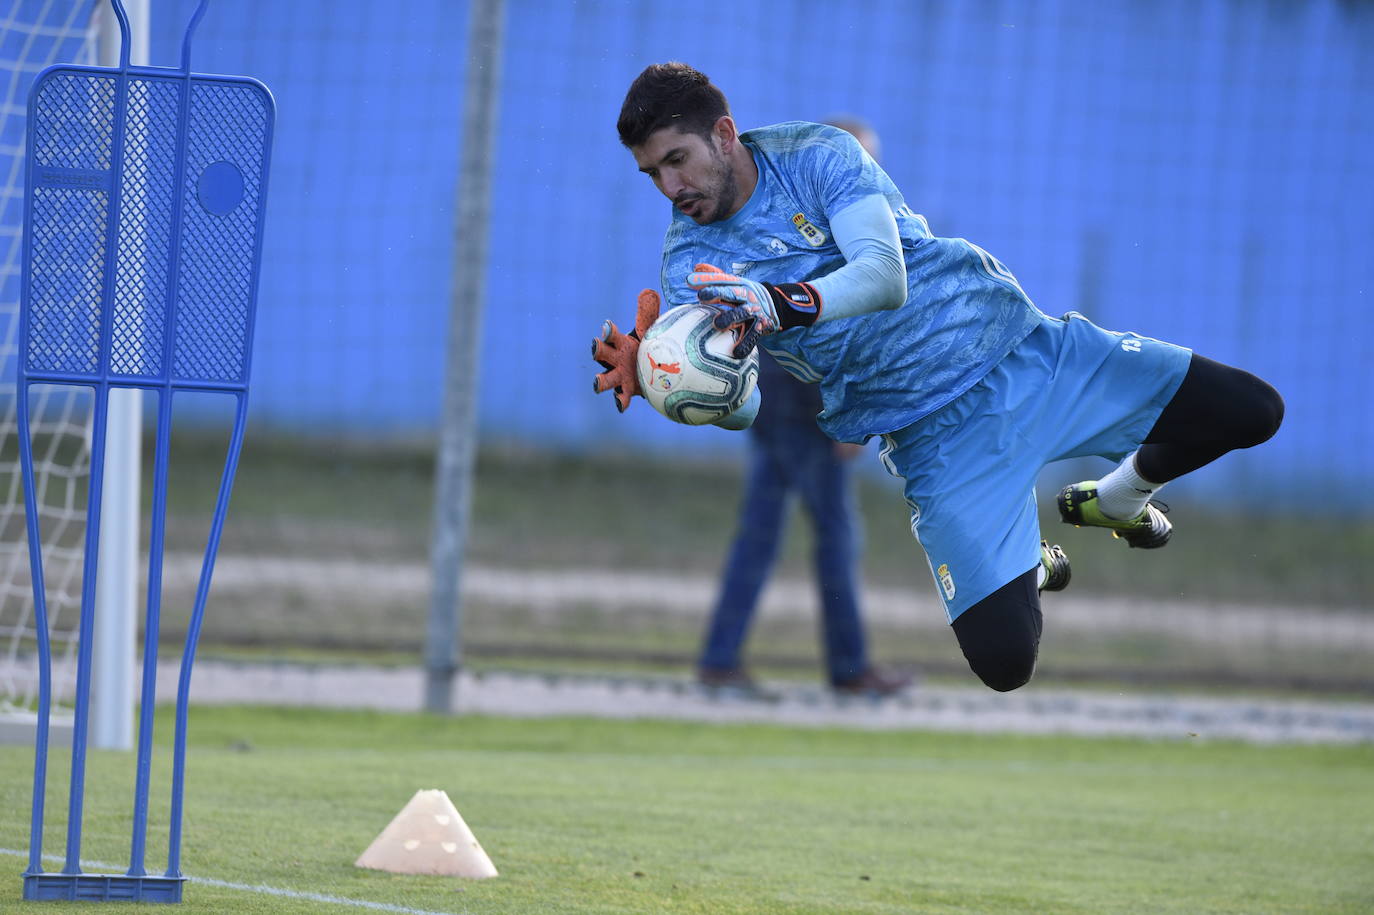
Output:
[[428, 836]]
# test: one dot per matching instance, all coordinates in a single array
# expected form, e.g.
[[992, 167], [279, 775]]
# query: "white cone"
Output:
[[428, 836]]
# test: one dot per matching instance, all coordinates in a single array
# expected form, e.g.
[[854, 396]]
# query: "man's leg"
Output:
[[1000, 635], [751, 558], [824, 484], [1217, 408]]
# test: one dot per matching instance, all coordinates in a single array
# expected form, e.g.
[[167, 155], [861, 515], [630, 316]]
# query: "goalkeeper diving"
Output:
[[809, 250]]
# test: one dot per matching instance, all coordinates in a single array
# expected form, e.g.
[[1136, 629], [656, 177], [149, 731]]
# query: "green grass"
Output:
[[585, 816]]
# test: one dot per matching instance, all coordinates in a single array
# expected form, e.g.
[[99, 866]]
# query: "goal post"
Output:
[[43, 33], [116, 587]]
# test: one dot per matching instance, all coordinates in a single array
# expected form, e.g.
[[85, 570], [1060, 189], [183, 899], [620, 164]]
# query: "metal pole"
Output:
[[116, 589], [458, 422]]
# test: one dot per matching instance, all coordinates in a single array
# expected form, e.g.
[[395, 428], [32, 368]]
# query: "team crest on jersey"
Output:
[[946, 580], [814, 236]]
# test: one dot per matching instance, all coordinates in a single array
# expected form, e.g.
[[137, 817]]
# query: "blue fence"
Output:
[[1198, 171]]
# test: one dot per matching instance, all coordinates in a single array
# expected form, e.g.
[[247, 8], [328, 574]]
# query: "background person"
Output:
[[790, 456]]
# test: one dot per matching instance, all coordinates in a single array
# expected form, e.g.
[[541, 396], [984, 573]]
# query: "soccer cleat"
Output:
[[1056, 566], [1148, 530]]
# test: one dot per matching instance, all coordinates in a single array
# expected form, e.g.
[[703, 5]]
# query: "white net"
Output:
[[36, 34]]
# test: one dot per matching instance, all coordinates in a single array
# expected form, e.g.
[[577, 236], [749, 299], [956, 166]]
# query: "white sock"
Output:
[[1123, 493]]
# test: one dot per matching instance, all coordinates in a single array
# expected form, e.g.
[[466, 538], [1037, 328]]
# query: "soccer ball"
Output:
[[686, 370]]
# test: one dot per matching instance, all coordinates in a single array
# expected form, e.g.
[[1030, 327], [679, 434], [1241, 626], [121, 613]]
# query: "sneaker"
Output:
[[1056, 565], [874, 682], [1148, 530]]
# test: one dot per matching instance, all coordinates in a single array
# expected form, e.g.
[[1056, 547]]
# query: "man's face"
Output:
[[690, 171]]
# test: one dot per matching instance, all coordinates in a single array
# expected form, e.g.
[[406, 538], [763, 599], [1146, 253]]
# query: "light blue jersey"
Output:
[[878, 372]]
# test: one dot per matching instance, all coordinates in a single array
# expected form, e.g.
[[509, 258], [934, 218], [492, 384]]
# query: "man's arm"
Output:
[[872, 279], [874, 275]]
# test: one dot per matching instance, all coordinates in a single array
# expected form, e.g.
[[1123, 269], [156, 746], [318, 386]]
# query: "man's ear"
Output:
[[725, 133]]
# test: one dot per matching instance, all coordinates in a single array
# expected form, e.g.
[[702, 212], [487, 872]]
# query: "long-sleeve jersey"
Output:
[[882, 370]]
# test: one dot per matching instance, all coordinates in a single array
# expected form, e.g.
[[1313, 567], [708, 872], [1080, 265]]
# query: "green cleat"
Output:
[[1148, 530], [1056, 565]]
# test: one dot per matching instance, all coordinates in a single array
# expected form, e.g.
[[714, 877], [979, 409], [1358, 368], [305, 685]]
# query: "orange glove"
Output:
[[617, 352]]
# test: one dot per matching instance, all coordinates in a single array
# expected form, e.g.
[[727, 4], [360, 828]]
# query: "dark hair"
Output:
[[670, 95]]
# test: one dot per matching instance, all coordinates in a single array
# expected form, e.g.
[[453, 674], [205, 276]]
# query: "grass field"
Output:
[[585, 816]]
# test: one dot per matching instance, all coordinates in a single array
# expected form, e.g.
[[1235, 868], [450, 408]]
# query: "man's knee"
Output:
[[1000, 635], [1004, 671], [1265, 415], [1221, 404]]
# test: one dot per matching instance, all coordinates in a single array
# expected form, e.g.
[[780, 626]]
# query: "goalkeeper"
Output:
[[808, 249]]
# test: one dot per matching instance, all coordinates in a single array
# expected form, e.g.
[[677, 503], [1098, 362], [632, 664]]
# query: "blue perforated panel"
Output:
[[181, 265], [145, 228], [74, 125], [227, 136], [67, 235]]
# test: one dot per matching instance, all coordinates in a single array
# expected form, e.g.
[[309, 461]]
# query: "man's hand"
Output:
[[752, 308], [616, 352]]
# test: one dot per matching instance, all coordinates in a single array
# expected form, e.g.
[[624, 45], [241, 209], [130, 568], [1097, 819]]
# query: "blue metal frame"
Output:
[[181, 345]]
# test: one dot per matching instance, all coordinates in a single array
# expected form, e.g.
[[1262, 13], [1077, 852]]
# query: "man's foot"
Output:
[[733, 683], [734, 679], [1056, 566], [1148, 530], [874, 682]]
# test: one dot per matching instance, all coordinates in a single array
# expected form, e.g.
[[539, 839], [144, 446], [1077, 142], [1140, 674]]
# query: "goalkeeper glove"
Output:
[[752, 308], [616, 352]]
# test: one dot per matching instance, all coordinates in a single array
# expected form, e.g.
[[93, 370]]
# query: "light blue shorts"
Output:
[[1069, 389]]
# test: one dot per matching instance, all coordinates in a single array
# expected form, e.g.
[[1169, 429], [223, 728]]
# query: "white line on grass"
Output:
[[251, 888]]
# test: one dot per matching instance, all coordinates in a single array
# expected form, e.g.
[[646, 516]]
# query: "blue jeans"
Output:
[[793, 459]]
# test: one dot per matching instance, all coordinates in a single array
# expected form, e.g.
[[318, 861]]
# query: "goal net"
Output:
[[37, 33]]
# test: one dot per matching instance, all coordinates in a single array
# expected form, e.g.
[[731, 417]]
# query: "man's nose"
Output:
[[673, 184]]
